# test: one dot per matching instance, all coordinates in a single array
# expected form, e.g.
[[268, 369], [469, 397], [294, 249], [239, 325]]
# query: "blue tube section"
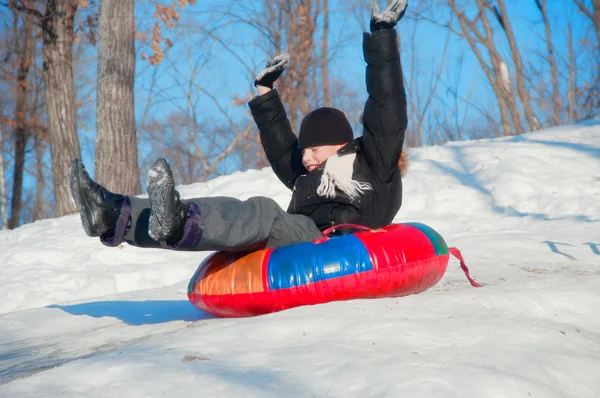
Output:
[[305, 263]]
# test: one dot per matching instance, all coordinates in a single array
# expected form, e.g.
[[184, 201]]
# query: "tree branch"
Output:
[[499, 17], [442, 25], [13, 5], [245, 134], [584, 9]]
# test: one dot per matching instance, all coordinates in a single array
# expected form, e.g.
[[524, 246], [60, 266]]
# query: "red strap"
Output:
[[355, 226], [456, 253]]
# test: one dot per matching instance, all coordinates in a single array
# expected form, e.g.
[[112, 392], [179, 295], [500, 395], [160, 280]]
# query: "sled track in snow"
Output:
[[21, 359]]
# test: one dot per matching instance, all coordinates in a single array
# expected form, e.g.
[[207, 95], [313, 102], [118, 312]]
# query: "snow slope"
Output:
[[80, 319]]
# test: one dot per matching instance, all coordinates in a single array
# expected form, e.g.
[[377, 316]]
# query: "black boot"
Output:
[[168, 215], [98, 207]]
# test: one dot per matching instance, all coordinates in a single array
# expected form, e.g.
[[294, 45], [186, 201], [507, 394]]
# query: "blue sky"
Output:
[[226, 74]]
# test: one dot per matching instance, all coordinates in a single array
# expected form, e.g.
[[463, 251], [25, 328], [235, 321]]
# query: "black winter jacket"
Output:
[[377, 151]]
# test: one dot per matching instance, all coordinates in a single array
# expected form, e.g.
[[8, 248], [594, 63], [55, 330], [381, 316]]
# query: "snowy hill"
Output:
[[80, 319]]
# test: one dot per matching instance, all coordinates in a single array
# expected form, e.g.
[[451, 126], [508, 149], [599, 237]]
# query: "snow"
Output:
[[80, 319]]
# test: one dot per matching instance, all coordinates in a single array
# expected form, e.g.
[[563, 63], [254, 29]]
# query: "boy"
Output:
[[335, 179]]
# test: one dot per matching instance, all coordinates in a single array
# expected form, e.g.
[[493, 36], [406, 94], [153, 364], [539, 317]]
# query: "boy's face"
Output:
[[314, 156]]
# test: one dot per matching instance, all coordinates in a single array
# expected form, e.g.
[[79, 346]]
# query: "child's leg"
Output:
[[223, 223], [111, 217], [217, 223], [137, 233], [232, 225]]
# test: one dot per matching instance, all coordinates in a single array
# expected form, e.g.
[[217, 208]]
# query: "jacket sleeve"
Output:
[[277, 138], [385, 115]]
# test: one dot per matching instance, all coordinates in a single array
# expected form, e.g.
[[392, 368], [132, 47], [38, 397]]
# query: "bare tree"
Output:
[[3, 196], [572, 91], [591, 102], [444, 106], [57, 23], [57, 27], [198, 146], [325, 54], [556, 101], [41, 173], [197, 150], [116, 159], [519, 70], [449, 119], [498, 74], [593, 13], [167, 15], [38, 131], [421, 85], [40, 210], [24, 55], [572, 65], [292, 26], [298, 27]]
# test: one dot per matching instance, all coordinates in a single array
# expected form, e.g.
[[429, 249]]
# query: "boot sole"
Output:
[[160, 186], [82, 207]]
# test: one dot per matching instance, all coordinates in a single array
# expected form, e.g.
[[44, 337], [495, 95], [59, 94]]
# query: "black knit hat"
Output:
[[324, 126]]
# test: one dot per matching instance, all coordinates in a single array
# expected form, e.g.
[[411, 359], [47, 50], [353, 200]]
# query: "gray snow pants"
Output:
[[218, 223]]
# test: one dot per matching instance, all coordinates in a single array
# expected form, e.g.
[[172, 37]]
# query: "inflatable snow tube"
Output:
[[397, 260]]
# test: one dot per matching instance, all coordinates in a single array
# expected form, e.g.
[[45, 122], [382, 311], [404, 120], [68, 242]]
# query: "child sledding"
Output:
[[335, 179]]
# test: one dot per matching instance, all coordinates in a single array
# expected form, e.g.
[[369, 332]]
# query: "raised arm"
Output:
[[276, 135], [385, 116]]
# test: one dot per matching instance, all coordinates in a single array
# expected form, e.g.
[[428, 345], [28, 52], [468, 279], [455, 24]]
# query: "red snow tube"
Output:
[[393, 261]]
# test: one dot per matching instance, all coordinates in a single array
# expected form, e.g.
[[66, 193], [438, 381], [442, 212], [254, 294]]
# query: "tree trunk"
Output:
[[295, 87], [57, 28], [596, 5], [497, 75], [593, 14], [542, 5], [519, 68], [572, 85], [3, 196], [504, 105], [39, 212], [24, 53], [116, 158], [290, 95], [501, 71], [503, 74], [19, 167], [325, 56]]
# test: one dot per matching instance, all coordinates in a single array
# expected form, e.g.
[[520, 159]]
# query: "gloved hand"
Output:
[[390, 17], [274, 68]]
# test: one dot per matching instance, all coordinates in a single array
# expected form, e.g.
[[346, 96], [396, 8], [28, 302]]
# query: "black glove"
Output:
[[274, 68], [390, 17]]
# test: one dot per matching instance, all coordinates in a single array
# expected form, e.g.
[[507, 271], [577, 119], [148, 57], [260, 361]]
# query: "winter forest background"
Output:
[[120, 83]]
